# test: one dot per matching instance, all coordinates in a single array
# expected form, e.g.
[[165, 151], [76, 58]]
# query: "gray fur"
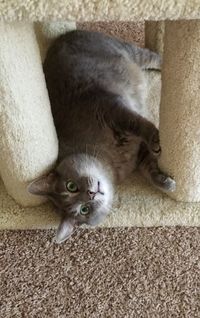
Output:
[[97, 92]]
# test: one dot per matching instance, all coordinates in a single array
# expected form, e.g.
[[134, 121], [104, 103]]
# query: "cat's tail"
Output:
[[145, 58]]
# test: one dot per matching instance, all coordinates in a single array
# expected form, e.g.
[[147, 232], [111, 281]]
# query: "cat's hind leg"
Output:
[[148, 166]]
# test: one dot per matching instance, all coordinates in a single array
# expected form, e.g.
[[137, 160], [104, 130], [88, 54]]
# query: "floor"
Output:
[[107, 273]]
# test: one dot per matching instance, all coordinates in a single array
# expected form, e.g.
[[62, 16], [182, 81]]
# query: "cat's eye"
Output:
[[84, 210], [71, 186]]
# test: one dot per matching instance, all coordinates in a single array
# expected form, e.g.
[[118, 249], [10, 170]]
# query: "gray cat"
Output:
[[97, 93]]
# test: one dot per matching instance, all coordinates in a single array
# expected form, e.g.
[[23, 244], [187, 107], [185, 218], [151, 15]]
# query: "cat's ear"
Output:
[[42, 185], [65, 230]]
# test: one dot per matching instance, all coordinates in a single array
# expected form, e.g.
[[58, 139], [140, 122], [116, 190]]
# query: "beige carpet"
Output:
[[137, 203], [105, 273]]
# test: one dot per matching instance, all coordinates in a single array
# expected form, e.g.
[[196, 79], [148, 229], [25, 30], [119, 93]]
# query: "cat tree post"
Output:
[[154, 34], [180, 108], [28, 140]]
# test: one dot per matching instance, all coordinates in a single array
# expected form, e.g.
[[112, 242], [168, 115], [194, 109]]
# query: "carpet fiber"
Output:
[[107, 273]]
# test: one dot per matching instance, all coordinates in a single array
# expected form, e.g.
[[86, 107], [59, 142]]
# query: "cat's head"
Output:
[[81, 190]]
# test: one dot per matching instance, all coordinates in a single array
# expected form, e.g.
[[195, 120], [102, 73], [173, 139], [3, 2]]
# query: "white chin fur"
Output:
[[92, 168]]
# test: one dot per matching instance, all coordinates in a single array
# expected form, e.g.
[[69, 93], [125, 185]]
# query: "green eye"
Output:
[[71, 186], [84, 209]]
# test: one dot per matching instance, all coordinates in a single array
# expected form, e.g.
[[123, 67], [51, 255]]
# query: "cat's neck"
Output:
[[90, 156]]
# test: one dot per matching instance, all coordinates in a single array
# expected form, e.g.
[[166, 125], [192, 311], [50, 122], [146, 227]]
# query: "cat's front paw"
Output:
[[154, 144]]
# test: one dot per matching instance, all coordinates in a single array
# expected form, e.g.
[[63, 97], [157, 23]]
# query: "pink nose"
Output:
[[91, 194]]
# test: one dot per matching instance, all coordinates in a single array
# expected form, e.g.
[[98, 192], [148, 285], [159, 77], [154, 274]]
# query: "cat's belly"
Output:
[[123, 157]]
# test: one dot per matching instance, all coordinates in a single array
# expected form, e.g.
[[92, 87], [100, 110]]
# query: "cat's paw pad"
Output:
[[166, 183], [155, 144]]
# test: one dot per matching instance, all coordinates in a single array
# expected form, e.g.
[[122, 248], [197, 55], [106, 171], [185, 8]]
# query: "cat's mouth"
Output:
[[99, 189], [92, 194]]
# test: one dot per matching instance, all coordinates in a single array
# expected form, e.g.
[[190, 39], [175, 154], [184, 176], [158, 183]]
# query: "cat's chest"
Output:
[[122, 150]]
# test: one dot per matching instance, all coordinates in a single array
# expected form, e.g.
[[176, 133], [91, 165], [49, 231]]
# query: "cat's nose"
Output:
[[91, 194]]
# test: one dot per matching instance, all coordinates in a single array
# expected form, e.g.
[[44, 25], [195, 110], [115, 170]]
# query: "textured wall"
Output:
[[99, 10]]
